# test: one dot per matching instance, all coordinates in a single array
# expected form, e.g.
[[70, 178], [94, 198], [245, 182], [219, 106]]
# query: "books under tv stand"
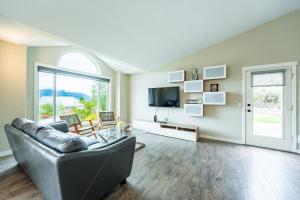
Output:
[[180, 131]]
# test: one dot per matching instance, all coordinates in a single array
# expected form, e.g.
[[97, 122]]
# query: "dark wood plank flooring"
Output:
[[175, 169]]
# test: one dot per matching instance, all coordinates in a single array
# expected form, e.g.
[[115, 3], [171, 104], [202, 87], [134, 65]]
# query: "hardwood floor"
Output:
[[170, 168]]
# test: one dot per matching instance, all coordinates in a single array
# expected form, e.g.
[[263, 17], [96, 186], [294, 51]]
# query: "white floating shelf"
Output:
[[214, 72], [176, 76], [193, 110], [214, 98], [193, 86]]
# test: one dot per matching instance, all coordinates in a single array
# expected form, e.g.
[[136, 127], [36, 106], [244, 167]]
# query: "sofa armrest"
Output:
[[91, 174]]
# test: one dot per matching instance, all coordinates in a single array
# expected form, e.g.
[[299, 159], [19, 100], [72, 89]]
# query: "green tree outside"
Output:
[[88, 109]]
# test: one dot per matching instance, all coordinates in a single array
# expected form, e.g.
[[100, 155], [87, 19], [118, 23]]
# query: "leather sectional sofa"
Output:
[[65, 166]]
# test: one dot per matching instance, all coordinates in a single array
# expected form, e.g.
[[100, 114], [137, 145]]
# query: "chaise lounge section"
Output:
[[68, 167]]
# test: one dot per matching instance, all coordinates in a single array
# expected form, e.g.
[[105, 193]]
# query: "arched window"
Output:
[[73, 87], [78, 62]]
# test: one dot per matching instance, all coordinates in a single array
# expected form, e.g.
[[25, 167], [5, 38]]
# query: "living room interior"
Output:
[[149, 100]]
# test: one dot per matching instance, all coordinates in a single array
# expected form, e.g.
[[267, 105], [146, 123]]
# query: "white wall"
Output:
[[12, 87], [274, 42], [50, 56]]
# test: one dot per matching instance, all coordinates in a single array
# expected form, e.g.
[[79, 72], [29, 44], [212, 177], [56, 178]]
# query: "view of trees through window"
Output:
[[267, 93], [64, 94]]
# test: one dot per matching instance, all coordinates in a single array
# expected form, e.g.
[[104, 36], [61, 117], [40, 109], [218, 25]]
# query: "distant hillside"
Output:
[[63, 93]]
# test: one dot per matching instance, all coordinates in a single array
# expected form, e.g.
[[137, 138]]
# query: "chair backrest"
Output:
[[107, 116], [71, 120]]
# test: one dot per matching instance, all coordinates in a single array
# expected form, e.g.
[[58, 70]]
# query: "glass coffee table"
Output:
[[111, 134]]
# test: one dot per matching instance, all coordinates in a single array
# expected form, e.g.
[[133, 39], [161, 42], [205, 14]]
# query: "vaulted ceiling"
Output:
[[138, 35]]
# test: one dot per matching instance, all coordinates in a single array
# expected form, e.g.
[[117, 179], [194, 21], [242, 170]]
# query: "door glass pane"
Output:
[[275, 78], [46, 97], [76, 95], [268, 111]]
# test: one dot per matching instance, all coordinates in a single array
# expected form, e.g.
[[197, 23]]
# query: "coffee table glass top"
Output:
[[111, 134]]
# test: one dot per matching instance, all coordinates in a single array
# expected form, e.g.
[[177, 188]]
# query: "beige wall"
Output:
[[122, 96], [12, 86], [50, 56], [274, 42]]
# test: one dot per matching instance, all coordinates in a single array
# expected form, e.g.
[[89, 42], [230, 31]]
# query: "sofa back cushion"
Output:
[[62, 142], [20, 122], [26, 125], [47, 135], [60, 126]]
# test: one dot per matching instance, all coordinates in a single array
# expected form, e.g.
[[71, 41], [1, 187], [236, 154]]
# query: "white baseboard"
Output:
[[5, 153], [221, 139]]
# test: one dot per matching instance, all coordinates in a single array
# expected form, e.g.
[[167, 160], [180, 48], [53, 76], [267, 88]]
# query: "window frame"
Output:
[[82, 53], [36, 85]]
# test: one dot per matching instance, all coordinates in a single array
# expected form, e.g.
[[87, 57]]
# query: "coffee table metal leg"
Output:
[[103, 138]]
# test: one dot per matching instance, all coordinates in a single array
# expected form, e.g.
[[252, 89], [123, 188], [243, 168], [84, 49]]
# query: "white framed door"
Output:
[[269, 106]]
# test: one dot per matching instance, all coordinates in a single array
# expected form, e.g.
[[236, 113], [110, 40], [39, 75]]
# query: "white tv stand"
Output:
[[180, 131]]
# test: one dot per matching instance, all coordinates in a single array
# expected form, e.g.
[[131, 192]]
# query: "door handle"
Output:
[[248, 104], [248, 110]]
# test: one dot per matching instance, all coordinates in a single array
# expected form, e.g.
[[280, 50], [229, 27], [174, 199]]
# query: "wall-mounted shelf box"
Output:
[[180, 131], [193, 86], [214, 98], [176, 76], [193, 110], [214, 72]]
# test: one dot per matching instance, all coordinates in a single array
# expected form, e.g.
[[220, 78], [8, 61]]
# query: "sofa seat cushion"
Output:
[[61, 142]]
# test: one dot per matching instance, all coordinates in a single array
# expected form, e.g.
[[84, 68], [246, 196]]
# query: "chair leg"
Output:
[[76, 129], [92, 125]]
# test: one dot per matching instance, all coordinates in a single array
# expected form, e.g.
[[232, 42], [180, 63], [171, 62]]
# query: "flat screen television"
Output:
[[164, 97]]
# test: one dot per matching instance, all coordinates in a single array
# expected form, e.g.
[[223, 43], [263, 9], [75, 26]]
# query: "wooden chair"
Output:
[[108, 120], [76, 125]]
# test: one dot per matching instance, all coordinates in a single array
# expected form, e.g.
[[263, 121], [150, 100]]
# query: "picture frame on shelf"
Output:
[[214, 87]]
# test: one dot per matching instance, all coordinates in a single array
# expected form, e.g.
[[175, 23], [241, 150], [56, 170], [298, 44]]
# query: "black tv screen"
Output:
[[164, 97]]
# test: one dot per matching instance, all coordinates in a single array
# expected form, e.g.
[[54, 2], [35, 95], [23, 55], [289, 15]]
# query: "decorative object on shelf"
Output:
[[214, 98], [193, 86], [192, 101], [193, 110], [214, 72], [200, 100], [176, 76], [214, 87], [163, 121], [121, 125], [194, 74], [127, 128], [155, 118]]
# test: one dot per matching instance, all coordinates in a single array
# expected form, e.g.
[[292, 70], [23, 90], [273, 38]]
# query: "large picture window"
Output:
[[64, 91]]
